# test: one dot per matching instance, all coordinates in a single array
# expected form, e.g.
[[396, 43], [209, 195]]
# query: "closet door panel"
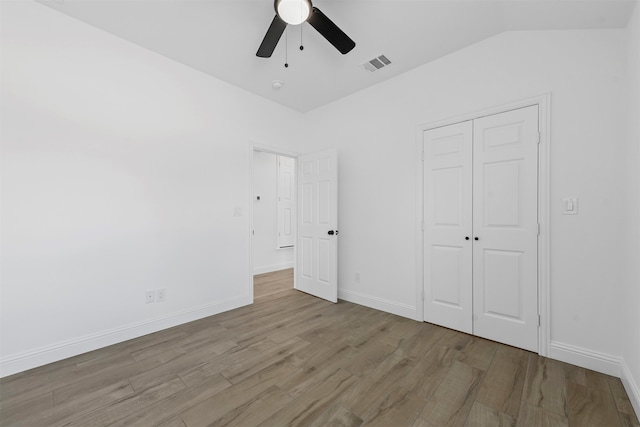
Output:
[[505, 256], [447, 221]]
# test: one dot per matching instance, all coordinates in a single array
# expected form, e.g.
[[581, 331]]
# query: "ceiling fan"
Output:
[[296, 12]]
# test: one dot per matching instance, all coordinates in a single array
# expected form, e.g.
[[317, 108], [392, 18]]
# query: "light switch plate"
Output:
[[570, 206]]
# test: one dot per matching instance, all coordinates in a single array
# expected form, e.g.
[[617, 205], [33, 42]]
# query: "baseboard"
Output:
[[589, 359], [272, 267], [381, 304], [631, 386], [63, 350]]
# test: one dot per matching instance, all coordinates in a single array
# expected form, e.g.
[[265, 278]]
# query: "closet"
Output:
[[481, 227]]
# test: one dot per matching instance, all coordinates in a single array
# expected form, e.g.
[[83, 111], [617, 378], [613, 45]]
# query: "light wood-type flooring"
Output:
[[293, 359]]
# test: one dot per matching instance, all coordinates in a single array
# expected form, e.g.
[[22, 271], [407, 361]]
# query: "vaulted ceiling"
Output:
[[220, 38]]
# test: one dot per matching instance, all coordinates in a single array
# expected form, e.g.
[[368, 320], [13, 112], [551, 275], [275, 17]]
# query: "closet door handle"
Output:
[[330, 232], [476, 238], [466, 238]]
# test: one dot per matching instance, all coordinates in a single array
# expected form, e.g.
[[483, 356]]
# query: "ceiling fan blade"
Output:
[[272, 37], [330, 31]]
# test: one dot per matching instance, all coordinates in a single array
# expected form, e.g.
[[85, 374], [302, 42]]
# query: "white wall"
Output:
[[375, 132], [631, 284], [266, 255], [120, 173]]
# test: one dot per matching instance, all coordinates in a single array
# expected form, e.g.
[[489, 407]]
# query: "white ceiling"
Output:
[[221, 38]]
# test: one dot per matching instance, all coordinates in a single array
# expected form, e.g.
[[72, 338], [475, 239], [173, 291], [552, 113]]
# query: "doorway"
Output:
[[311, 228], [484, 215], [273, 221], [481, 227]]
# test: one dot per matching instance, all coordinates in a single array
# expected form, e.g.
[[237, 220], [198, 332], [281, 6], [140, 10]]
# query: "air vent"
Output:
[[376, 63]]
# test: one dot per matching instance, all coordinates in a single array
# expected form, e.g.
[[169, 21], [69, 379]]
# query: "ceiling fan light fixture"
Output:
[[293, 12]]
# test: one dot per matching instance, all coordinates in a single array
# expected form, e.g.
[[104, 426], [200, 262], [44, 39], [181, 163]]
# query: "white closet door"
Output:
[[505, 222], [317, 238], [447, 225]]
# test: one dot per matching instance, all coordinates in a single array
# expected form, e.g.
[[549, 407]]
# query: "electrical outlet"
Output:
[[357, 276], [161, 294], [149, 297]]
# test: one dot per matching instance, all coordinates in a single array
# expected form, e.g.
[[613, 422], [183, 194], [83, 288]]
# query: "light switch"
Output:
[[570, 206]]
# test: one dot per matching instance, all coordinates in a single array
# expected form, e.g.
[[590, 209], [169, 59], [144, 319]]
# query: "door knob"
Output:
[[466, 238], [476, 238], [330, 233]]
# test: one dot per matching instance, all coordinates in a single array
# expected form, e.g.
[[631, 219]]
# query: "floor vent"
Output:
[[376, 63]]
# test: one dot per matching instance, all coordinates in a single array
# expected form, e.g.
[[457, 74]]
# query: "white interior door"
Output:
[[447, 226], [286, 201], [317, 235], [505, 222]]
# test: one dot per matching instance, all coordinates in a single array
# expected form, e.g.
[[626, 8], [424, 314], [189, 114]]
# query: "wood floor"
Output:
[[292, 359]]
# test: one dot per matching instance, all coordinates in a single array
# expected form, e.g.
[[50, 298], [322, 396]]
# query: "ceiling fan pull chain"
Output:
[[286, 48], [301, 46]]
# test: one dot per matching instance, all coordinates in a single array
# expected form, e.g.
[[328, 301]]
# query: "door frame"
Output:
[[543, 102], [253, 147]]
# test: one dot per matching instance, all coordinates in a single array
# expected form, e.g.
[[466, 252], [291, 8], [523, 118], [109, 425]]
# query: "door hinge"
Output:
[[539, 321], [422, 155], [538, 229], [539, 137]]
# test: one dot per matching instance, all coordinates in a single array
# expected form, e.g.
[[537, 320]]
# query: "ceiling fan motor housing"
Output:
[[293, 12]]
